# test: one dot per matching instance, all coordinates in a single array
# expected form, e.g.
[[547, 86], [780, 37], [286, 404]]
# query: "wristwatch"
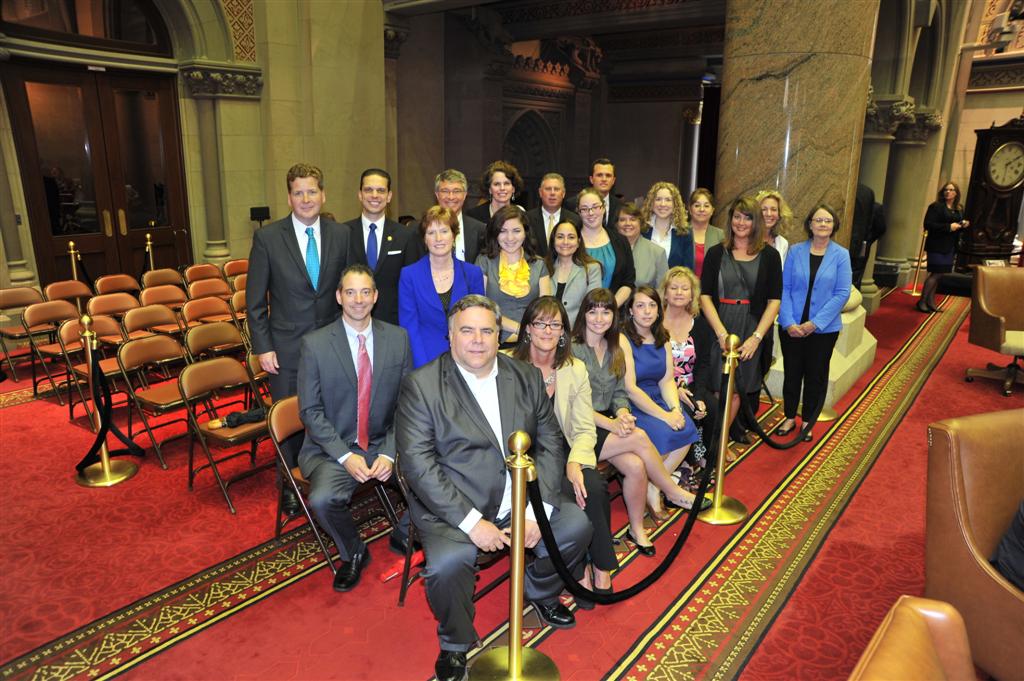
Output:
[[758, 336]]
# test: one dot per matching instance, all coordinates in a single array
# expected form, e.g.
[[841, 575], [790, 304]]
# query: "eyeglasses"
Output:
[[822, 221], [541, 326], [587, 210], [451, 192]]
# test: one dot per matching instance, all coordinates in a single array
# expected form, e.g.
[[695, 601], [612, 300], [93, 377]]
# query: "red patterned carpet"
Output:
[[269, 613]]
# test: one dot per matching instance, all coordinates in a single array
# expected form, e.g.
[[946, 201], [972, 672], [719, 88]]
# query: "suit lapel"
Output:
[[326, 246], [380, 351], [357, 246], [507, 403], [468, 402], [291, 245], [386, 232], [339, 341]]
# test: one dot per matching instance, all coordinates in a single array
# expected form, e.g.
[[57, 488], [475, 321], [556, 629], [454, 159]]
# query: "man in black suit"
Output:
[[294, 267], [454, 418], [550, 213], [383, 245], [602, 178], [350, 373], [450, 187]]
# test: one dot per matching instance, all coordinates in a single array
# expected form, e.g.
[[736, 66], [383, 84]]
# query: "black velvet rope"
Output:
[[578, 591], [103, 401], [85, 272], [748, 411]]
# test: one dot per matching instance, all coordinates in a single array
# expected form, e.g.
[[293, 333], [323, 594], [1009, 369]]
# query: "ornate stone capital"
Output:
[[210, 81], [584, 57], [886, 116], [925, 123], [394, 35], [534, 65]]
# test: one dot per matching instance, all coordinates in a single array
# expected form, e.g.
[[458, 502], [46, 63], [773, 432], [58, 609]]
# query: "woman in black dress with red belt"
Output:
[[944, 218]]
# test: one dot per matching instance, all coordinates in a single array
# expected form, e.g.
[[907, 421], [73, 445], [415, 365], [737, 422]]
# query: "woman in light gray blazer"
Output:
[[649, 259], [573, 272]]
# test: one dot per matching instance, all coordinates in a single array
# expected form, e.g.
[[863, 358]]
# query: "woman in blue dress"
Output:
[[651, 384]]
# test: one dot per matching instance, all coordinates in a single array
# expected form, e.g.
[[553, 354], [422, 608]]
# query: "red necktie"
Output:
[[365, 379]]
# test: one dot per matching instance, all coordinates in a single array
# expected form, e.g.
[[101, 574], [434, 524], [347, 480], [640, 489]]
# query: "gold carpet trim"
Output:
[[713, 628]]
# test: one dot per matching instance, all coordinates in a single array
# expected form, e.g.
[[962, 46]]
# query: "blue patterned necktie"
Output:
[[312, 259], [371, 247]]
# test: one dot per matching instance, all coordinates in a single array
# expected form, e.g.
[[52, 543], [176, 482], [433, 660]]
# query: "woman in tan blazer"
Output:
[[543, 341]]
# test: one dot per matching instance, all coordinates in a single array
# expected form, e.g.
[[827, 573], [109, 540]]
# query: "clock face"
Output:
[[1006, 165]]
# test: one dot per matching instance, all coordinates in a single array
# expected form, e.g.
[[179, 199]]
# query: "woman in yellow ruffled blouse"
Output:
[[513, 274]]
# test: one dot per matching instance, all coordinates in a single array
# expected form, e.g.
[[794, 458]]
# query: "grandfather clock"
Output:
[[995, 194]]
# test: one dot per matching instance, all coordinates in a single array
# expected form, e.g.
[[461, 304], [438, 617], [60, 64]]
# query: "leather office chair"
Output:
[[997, 322], [975, 483], [918, 639]]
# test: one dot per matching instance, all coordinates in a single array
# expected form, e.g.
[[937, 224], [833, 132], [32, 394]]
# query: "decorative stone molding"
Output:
[[996, 76], [206, 81], [240, 16], [924, 124], [546, 10], [584, 56], [528, 90], [540, 66], [886, 117], [674, 38], [394, 35]]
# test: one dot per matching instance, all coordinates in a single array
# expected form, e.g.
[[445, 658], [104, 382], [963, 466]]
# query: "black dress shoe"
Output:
[[740, 435], [398, 543], [554, 614], [450, 666], [648, 550], [923, 307], [349, 572], [290, 502]]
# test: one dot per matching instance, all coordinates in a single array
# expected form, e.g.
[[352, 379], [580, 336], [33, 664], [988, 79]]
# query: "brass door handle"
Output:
[[108, 227], [122, 222]]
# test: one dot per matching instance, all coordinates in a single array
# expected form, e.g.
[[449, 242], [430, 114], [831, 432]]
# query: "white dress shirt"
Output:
[[460, 240], [666, 241], [303, 240]]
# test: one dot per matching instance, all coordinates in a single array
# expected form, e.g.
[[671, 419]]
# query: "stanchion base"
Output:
[[493, 665], [119, 472], [827, 414], [916, 293], [731, 511]]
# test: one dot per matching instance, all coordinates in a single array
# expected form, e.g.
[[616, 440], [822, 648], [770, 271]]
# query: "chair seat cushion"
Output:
[[108, 366], [231, 436], [18, 332], [160, 397], [1014, 344], [54, 350], [168, 329]]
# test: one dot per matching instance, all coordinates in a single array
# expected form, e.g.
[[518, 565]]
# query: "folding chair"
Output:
[[209, 287], [68, 289], [199, 381], [239, 282], [206, 311], [45, 317], [11, 299], [117, 283], [234, 269], [173, 296], [202, 271], [134, 358], [111, 304], [162, 277], [69, 335], [284, 422], [214, 339], [238, 307], [260, 377], [150, 319]]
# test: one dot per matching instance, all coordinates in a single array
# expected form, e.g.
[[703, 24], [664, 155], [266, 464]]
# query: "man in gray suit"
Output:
[[454, 418], [550, 213], [350, 373], [294, 267]]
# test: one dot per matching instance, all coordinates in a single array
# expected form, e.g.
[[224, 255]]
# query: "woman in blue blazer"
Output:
[[430, 286], [816, 283], [664, 213]]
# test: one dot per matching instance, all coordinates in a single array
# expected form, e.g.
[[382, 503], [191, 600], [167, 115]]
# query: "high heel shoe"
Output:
[[646, 550], [923, 307], [657, 516], [786, 431]]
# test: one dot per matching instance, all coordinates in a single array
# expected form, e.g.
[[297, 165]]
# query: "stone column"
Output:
[[216, 249], [17, 267], [794, 92], [884, 115], [913, 155], [395, 34]]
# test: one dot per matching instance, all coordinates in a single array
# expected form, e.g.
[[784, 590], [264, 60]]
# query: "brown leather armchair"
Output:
[[997, 322], [918, 639], [975, 483]]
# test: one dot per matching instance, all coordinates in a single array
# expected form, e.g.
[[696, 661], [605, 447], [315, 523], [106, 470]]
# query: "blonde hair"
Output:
[[785, 223], [680, 218], [684, 272]]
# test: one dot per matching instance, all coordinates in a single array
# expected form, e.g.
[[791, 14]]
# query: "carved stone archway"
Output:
[[530, 145]]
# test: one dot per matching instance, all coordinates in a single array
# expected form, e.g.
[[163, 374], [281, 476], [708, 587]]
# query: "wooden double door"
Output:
[[100, 159]]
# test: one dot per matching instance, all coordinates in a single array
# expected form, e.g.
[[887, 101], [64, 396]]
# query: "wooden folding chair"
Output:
[[284, 422], [17, 298], [117, 283], [134, 358], [199, 381]]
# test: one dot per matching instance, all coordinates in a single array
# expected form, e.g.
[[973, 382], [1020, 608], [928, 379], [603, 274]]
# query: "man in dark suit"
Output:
[[349, 376], [550, 213], [602, 178], [294, 267], [450, 188], [454, 418], [383, 245]]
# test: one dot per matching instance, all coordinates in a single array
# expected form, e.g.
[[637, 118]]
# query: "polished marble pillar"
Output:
[[216, 249], [794, 92]]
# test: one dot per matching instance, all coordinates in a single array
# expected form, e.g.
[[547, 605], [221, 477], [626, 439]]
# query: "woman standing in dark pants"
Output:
[[944, 218], [741, 288], [815, 286]]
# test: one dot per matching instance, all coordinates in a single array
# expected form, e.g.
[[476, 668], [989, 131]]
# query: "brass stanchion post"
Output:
[[73, 254], [917, 270], [149, 249], [725, 510], [107, 472], [513, 661]]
